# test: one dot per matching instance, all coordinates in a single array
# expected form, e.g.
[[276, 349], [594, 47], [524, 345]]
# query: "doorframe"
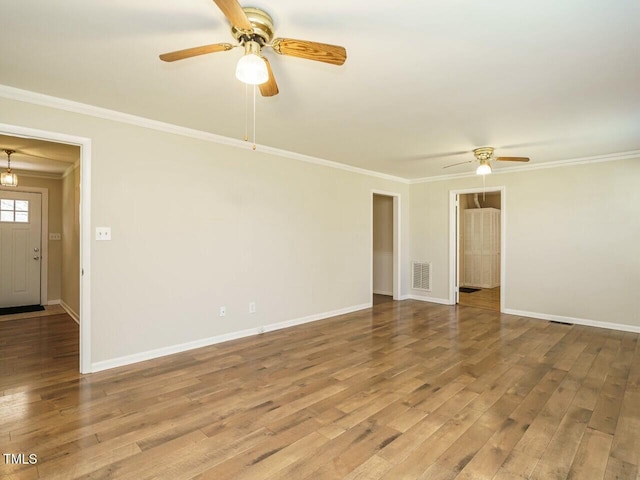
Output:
[[44, 236], [397, 269], [454, 219], [84, 273]]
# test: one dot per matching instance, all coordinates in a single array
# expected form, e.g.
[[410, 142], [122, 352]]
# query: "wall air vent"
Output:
[[421, 276]]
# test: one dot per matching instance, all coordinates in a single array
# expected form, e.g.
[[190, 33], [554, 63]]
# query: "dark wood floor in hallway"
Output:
[[405, 390]]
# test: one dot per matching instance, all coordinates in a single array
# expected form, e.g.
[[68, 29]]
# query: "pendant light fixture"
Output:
[[8, 179]]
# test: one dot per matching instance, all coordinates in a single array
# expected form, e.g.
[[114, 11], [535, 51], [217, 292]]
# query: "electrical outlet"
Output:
[[252, 307], [103, 233], [223, 311]]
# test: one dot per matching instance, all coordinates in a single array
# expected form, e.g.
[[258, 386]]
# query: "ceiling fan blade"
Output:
[[270, 87], [234, 13], [195, 51], [321, 52], [512, 159], [455, 164]]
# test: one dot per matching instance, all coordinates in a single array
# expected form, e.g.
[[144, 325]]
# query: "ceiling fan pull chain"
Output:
[[254, 117], [484, 187], [246, 112]]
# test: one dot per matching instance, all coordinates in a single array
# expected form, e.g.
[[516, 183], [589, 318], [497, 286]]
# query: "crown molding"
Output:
[[35, 174], [71, 168], [612, 157], [35, 98], [28, 96]]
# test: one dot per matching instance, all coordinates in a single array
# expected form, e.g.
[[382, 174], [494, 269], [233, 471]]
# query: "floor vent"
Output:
[[421, 276]]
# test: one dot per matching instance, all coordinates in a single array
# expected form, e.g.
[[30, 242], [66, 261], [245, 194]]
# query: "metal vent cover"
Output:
[[421, 273]]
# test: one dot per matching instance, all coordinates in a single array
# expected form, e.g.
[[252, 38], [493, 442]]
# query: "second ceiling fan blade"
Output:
[[456, 164], [234, 13], [320, 52], [270, 87], [512, 159], [195, 51]]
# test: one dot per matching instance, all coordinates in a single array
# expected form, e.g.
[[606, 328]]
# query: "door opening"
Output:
[[58, 166], [477, 253], [385, 247]]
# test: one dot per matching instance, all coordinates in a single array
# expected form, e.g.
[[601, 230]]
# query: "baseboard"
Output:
[[205, 342], [383, 292], [422, 298], [70, 311], [577, 321], [54, 302]]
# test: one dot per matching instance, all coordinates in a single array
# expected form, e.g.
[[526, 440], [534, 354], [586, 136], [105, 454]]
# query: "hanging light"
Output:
[[8, 179], [251, 68], [484, 168]]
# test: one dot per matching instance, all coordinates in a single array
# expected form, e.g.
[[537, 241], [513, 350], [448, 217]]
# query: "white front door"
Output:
[[20, 249]]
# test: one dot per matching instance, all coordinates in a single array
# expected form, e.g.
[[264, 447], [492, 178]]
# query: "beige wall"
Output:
[[234, 226], [54, 264], [238, 226], [568, 237], [70, 276], [383, 244]]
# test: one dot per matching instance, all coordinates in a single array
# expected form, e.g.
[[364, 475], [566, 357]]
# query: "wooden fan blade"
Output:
[[512, 159], [455, 164], [195, 51], [234, 13], [320, 52], [270, 87]]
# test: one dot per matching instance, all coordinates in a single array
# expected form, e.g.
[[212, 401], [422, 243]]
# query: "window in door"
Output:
[[14, 211]]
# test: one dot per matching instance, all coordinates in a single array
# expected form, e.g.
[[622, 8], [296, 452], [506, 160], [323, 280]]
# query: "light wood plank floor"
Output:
[[487, 298], [406, 390]]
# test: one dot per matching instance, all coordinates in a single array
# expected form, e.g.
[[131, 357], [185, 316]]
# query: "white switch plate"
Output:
[[55, 236], [103, 233], [223, 311], [252, 307]]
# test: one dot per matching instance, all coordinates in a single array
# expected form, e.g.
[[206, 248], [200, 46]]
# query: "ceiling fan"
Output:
[[484, 155], [253, 29]]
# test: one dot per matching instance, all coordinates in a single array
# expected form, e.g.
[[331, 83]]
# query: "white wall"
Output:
[[572, 240], [197, 225]]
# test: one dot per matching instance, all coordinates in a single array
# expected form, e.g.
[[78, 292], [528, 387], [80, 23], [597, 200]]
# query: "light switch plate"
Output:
[[55, 236], [103, 233]]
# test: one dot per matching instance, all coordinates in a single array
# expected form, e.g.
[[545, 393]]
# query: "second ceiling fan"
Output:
[[484, 155], [253, 29]]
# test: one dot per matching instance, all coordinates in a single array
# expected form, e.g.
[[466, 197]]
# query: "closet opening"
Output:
[[385, 247]]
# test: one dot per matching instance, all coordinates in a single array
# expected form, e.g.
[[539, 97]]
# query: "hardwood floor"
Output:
[[487, 298], [48, 310], [406, 390]]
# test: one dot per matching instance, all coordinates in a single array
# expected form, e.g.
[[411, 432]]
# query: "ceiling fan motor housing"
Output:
[[262, 24], [484, 153]]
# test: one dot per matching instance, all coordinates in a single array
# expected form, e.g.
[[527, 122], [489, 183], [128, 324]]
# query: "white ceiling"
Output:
[[425, 82]]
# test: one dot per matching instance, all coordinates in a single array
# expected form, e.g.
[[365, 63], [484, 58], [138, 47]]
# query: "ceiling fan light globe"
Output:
[[252, 69], [483, 169], [8, 179]]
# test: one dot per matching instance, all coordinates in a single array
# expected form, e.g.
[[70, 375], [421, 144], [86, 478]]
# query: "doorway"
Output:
[[385, 247], [77, 181], [477, 248]]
